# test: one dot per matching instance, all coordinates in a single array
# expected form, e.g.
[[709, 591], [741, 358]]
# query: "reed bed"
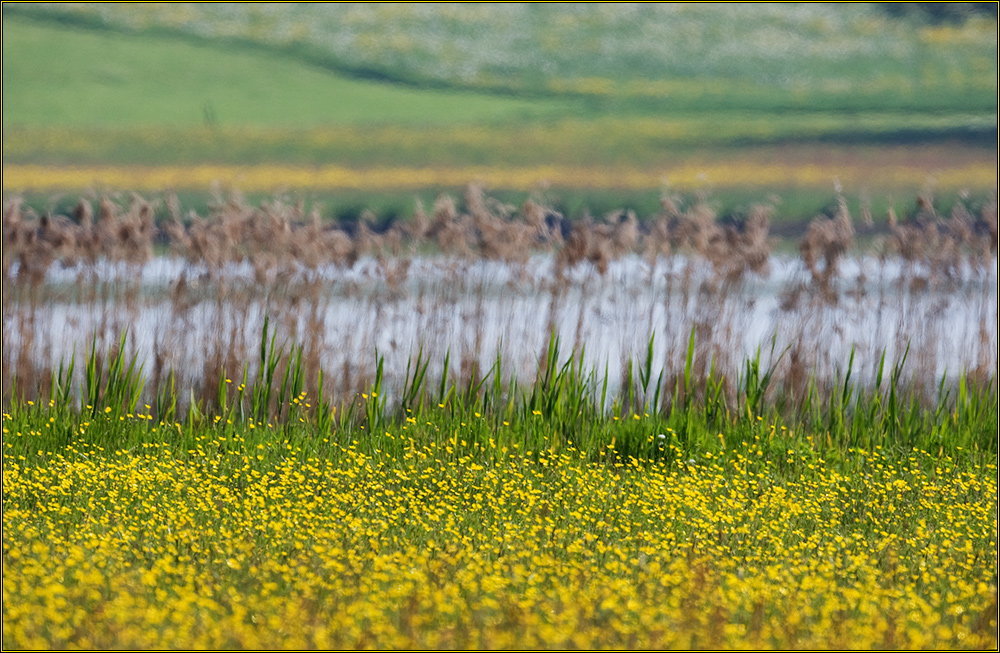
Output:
[[481, 294]]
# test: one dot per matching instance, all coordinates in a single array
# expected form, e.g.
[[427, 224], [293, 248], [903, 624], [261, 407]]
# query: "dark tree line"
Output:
[[940, 12]]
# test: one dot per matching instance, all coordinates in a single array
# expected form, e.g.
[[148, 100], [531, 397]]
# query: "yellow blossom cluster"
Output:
[[222, 542]]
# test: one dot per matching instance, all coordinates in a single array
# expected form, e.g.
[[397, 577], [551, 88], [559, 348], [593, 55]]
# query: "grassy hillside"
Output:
[[660, 56], [870, 79], [58, 75]]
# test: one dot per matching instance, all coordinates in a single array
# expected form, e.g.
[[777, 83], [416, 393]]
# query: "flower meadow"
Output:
[[800, 498], [278, 404], [453, 528]]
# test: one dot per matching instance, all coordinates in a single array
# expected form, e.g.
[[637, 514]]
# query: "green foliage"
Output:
[[567, 406], [117, 390]]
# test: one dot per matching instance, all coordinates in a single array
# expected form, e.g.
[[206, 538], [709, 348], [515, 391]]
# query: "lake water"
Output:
[[472, 308]]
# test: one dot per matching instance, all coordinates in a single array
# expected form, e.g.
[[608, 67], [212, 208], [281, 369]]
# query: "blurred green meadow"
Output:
[[610, 87], [637, 58]]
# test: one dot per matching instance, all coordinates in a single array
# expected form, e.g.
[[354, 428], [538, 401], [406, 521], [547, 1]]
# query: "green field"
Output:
[[97, 85], [55, 75], [633, 58]]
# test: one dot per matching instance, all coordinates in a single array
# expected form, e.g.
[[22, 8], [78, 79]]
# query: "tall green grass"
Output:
[[648, 419]]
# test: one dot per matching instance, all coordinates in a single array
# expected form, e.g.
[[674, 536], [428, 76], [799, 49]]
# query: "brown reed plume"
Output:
[[926, 240], [827, 240]]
